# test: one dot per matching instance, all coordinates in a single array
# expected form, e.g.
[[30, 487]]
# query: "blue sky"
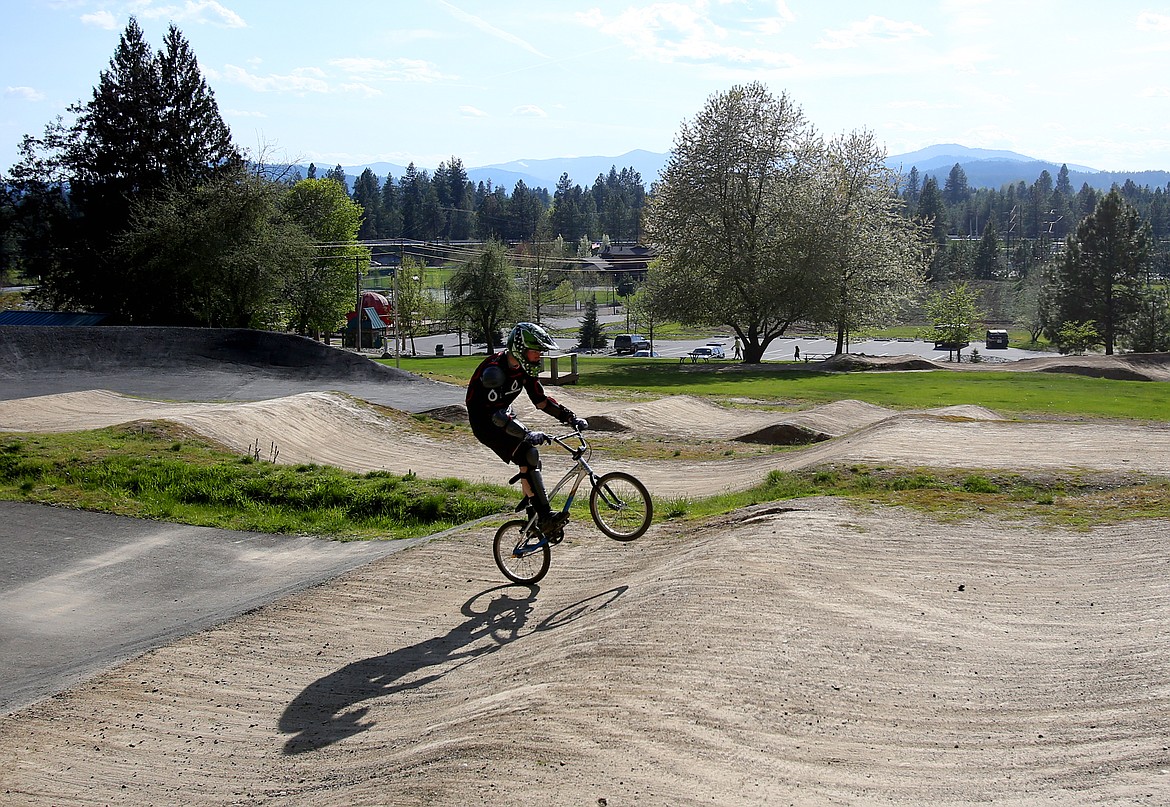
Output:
[[489, 82]]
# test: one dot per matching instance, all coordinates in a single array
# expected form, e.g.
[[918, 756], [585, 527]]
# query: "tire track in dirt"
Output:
[[811, 654]]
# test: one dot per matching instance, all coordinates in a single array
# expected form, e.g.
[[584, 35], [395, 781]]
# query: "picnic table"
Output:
[[816, 356]]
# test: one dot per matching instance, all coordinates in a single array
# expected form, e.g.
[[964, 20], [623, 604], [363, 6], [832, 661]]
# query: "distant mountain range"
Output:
[[985, 168]]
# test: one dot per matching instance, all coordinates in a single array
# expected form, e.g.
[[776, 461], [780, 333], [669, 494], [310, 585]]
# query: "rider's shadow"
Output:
[[330, 709]]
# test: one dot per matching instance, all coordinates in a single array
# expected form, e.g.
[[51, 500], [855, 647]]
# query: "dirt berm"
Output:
[[811, 652], [200, 364]]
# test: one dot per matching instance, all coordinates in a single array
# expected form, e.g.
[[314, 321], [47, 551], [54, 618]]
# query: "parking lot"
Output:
[[782, 349]]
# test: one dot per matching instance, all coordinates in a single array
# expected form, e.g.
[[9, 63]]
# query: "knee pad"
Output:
[[529, 457]]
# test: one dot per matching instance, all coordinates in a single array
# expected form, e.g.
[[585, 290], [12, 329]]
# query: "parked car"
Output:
[[646, 354], [700, 354], [716, 350], [629, 343]]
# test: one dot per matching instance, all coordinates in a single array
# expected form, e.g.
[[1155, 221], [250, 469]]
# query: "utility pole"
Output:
[[357, 271], [397, 314]]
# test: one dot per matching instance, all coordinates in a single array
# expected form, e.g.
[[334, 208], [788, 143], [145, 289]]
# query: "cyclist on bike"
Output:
[[496, 383]]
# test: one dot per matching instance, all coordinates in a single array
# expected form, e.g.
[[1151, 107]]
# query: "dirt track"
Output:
[[808, 653]]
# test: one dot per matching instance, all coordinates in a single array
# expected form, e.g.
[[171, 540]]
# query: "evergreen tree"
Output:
[[368, 195], [987, 259], [913, 190], [152, 125], [1101, 278], [591, 336], [932, 213], [1150, 330], [956, 190], [391, 225], [337, 174]]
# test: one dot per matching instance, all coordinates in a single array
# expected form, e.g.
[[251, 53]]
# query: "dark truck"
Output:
[[997, 338], [629, 343]]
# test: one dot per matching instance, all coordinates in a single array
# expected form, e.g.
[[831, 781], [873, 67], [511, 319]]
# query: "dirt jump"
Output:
[[816, 651]]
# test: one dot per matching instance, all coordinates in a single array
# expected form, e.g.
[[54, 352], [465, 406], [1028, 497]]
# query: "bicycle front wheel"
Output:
[[521, 557], [620, 506]]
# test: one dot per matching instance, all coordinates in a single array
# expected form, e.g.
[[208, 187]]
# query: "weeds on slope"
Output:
[[1077, 500], [160, 471]]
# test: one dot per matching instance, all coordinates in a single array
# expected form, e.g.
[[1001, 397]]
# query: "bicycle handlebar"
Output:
[[576, 451]]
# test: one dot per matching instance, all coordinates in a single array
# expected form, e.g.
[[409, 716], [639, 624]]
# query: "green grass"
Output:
[[159, 472], [1071, 500], [790, 385]]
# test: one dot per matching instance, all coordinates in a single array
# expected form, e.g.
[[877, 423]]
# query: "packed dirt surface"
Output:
[[807, 652]]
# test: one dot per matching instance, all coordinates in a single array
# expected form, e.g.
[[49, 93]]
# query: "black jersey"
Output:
[[486, 399]]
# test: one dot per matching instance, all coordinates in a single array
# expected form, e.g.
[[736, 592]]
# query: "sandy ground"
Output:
[[813, 652]]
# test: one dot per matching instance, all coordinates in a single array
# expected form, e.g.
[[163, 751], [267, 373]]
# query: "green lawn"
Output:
[[161, 471], [792, 385]]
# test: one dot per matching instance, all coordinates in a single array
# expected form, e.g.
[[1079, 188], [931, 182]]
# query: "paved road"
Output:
[[80, 592], [780, 350]]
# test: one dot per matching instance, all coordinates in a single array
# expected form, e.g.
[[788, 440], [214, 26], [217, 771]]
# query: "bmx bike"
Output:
[[619, 503]]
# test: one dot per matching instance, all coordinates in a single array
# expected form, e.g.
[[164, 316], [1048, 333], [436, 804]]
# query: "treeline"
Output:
[[447, 206], [989, 234], [144, 209]]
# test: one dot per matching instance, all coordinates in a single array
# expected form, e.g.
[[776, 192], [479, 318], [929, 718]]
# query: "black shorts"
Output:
[[507, 447]]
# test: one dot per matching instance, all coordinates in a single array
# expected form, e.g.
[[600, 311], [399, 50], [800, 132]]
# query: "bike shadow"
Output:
[[330, 709]]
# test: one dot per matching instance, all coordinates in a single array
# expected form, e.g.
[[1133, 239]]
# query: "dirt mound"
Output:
[[201, 364], [339, 430], [853, 362], [102, 349], [1122, 367], [808, 654]]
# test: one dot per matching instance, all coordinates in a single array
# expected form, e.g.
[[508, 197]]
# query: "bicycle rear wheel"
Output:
[[522, 558], [621, 506]]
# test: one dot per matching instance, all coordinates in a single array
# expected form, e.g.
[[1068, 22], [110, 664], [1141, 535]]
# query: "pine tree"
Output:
[[151, 125], [591, 337], [368, 194], [1101, 278]]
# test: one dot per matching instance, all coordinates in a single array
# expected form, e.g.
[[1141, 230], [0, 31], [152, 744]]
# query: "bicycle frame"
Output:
[[580, 470]]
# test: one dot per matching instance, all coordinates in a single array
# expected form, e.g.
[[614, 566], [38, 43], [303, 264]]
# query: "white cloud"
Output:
[[870, 30], [471, 112], [777, 22], [100, 19], [364, 90], [1155, 92], [529, 111], [1149, 21], [302, 80], [207, 12], [24, 93], [685, 32]]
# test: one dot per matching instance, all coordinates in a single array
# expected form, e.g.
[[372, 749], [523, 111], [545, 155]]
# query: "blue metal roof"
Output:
[[60, 319]]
